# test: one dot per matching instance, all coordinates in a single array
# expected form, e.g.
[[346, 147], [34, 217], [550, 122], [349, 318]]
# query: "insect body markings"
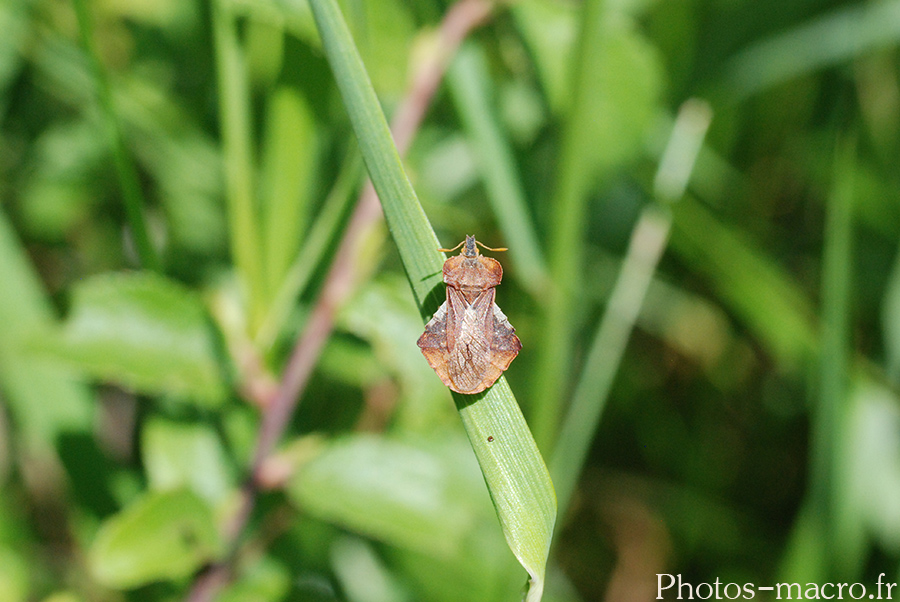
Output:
[[468, 341]]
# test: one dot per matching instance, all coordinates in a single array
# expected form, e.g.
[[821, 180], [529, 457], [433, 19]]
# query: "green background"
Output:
[[710, 318]]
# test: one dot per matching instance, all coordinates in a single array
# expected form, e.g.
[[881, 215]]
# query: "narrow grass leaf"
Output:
[[323, 232], [132, 196], [551, 30], [517, 478], [830, 413], [406, 219], [515, 474], [471, 89], [294, 17], [828, 539], [288, 164], [234, 116], [748, 281], [615, 88], [833, 38], [870, 470], [647, 245]]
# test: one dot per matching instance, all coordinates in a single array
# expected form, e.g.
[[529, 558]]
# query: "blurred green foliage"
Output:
[[751, 432]]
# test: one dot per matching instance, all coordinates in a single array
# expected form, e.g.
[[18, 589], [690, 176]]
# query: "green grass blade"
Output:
[[839, 36], [517, 478], [288, 168], [549, 30], [324, 230], [648, 242], [829, 413], [565, 250], [514, 470], [132, 196], [471, 89], [234, 116], [614, 90], [748, 281], [406, 220]]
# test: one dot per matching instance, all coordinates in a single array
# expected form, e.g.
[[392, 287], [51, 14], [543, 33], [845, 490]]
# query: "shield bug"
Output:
[[469, 342]]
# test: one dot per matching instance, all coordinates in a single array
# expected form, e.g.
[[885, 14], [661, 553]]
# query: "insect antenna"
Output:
[[483, 246], [453, 249]]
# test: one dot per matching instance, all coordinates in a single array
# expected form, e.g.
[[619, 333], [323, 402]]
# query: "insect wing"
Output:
[[505, 345], [460, 318], [469, 336], [433, 343]]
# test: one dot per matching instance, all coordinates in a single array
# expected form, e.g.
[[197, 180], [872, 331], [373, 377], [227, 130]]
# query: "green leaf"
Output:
[[383, 315], [27, 380], [867, 479], [648, 242], [55, 196], [408, 224], [264, 581], [375, 485], [163, 536], [362, 573], [144, 332], [623, 84], [289, 161], [617, 76], [517, 478], [324, 230], [185, 456], [396, 492], [132, 193], [829, 415], [64, 596], [14, 19], [471, 87], [234, 123], [514, 471], [385, 30], [804, 555], [550, 29], [832, 38], [294, 17], [747, 280]]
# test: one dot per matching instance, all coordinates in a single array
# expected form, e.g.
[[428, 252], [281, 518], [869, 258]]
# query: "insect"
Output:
[[469, 342]]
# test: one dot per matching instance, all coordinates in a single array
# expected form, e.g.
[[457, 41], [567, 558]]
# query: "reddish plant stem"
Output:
[[341, 281], [462, 17]]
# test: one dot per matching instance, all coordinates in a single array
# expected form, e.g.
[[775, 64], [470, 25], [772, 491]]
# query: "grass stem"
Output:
[[126, 171]]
